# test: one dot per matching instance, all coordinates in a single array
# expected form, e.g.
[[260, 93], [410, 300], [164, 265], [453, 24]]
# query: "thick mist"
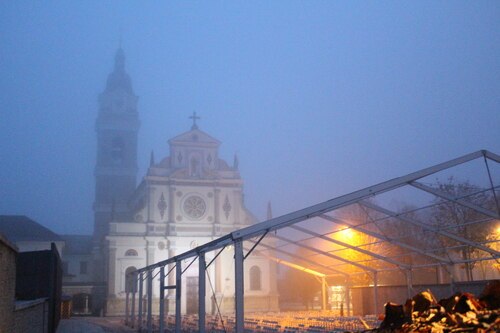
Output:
[[316, 98]]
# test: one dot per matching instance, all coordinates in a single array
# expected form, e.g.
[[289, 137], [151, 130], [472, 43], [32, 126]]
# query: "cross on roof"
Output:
[[194, 117]]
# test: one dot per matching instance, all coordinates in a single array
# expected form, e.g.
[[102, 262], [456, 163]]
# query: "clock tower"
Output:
[[117, 126]]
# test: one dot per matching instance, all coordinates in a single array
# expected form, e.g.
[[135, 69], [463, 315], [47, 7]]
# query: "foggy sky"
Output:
[[317, 98]]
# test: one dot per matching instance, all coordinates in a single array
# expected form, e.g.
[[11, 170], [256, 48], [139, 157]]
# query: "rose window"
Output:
[[194, 207]]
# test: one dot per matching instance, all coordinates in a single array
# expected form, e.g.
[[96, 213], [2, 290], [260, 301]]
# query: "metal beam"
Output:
[[352, 247], [318, 209], [383, 237], [327, 254], [370, 205], [321, 208], [293, 255], [255, 245], [451, 198], [491, 156], [296, 266]]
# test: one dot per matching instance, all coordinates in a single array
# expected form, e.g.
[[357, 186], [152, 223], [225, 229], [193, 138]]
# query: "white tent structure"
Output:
[[444, 218]]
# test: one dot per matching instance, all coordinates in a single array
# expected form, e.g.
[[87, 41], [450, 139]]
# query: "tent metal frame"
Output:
[[320, 210]]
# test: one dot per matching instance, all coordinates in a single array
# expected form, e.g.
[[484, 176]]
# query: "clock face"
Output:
[[194, 207]]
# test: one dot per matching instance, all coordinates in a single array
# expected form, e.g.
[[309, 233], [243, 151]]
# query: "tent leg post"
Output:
[[201, 292], [141, 286], [178, 290], [239, 285], [132, 312], [162, 299], [375, 293], [127, 297], [323, 292], [150, 301]]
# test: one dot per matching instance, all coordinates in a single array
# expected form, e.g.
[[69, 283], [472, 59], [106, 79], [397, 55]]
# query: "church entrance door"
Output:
[[191, 294], [82, 303]]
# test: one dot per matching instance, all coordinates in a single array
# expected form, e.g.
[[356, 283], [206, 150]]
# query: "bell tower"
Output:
[[117, 127]]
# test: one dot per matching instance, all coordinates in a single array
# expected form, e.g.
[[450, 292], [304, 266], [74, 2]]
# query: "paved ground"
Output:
[[93, 325]]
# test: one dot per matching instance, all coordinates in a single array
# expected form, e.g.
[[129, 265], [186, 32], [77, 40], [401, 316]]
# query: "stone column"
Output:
[[112, 270], [171, 204], [150, 251], [216, 206], [151, 204]]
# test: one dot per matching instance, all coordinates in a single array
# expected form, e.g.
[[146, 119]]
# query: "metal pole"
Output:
[[150, 301], [348, 298], [201, 292], [132, 315], [452, 278], [162, 298], [126, 307], [375, 293], [409, 282], [178, 290], [323, 292], [239, 286], [141, 282]]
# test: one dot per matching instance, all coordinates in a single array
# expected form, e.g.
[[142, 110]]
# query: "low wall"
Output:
[[31, 316], [362, 298]]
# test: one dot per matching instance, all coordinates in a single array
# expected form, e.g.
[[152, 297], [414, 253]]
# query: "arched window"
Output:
[[130, 280], [131, 253], [255, 278]]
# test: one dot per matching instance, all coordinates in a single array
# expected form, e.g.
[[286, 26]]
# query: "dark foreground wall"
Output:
[[39, 275], [362, 298]]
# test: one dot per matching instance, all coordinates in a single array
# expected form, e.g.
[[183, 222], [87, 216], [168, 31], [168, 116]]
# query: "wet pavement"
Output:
[[93, 325]]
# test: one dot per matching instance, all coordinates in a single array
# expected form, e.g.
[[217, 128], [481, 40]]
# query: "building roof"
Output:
[[18, 228], [7, 243], [194, 137], [77, 244]]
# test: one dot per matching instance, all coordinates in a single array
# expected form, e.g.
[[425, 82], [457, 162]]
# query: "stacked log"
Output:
[[462, 312]]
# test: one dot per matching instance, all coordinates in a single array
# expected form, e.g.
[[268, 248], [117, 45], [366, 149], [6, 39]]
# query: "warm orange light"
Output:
[[346, 234], [298, 267]]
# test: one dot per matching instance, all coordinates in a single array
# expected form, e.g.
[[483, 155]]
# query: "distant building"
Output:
[[30, 285], [79, 280], [28, 235], [186, 199], [8, 253]]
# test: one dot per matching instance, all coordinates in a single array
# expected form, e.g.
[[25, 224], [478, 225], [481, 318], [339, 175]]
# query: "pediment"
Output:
[[194, 136]]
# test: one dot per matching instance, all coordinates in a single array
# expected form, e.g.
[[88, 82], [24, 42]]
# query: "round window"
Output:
[[194, 207]]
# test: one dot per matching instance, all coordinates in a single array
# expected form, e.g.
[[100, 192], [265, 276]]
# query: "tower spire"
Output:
[[120, 59], [236, 162], [269, 210], [152, 159]]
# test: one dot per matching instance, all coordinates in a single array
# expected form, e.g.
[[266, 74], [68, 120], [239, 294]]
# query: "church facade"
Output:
[[185, 199]]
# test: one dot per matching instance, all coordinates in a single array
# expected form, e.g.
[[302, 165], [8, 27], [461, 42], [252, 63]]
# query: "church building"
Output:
[[185, 199]]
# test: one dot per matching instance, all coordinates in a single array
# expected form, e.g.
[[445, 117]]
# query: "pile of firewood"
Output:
[[462, 312]]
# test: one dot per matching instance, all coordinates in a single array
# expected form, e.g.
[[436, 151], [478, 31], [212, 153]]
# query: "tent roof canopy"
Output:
[[425, 219]]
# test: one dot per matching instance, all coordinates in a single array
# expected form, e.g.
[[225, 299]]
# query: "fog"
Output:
[[316, 98]]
